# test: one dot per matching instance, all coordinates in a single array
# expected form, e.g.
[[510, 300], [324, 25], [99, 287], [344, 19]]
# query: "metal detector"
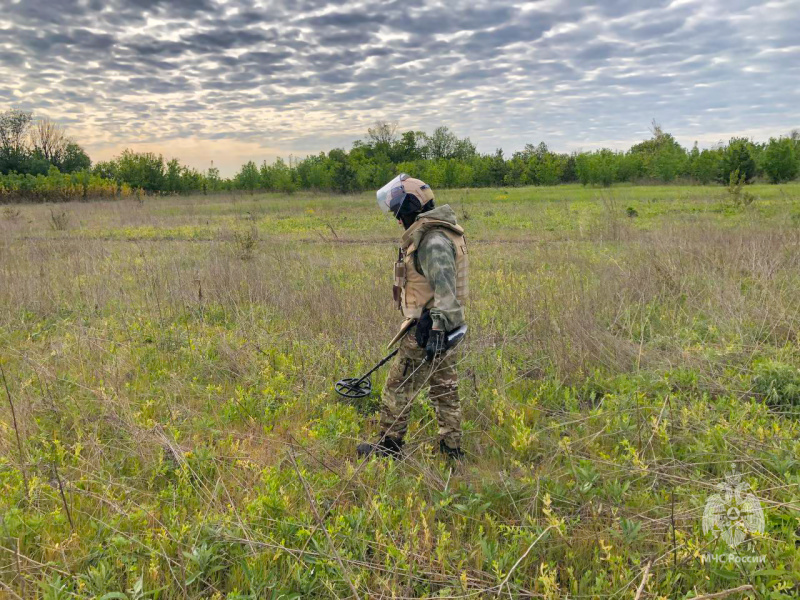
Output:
[[352, 387]]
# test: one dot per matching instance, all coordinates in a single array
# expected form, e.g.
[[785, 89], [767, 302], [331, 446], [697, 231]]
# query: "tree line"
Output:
[[38, 161]]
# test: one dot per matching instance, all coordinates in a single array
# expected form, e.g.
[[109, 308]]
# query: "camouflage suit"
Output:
[[435, 259], [401, 386]]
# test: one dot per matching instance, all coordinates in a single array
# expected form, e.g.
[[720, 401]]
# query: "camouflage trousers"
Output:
[[401, 386]]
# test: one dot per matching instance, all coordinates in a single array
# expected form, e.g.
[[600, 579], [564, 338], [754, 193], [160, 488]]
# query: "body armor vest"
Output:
[[412, 292]]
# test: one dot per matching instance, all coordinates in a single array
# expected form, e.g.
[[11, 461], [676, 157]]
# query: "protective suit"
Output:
[[430, 288]]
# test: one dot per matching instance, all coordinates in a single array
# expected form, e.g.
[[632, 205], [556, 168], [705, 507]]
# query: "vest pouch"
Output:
[[399, 283]]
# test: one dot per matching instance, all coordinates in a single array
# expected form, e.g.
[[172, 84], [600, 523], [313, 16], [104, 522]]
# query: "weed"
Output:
[[99, 579], [56, 588], [59, 219], [778, 383], [204, 561], [608, 224], [246, 242], [631, 530]]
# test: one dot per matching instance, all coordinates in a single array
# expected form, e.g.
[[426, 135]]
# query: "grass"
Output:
[[170, 366]]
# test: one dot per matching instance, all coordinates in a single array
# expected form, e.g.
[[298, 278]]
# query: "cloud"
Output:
[[298, 76]]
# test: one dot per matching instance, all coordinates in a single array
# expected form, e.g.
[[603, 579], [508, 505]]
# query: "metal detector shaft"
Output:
[[360, 388], [383, 361], [452, 339]]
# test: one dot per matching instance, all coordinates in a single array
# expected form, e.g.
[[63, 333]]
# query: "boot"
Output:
[[451, 453], [385, 446]]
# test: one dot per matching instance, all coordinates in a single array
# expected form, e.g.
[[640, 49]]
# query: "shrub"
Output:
[[246, 242], [56, 186], [780, 160], [737, 195], [59, 220]]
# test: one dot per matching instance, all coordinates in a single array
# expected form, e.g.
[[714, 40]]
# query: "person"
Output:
[[430, 289]]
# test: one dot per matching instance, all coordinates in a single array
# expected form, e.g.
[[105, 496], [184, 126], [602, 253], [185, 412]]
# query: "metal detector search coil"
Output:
[[352, 387]]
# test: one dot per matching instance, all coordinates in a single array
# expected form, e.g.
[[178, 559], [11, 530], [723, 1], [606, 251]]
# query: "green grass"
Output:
[[170, 364]]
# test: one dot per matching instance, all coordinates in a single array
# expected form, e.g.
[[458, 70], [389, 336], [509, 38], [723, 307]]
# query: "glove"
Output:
[[436, 344], [423, 330]]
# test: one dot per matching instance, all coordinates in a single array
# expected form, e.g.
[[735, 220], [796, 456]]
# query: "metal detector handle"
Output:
[[404, 329], [452, 339]]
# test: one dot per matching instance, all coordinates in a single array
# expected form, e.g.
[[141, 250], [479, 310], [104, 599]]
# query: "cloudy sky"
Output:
[[234, 80]]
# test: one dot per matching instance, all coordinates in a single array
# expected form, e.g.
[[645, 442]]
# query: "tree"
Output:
[[32, 147], [442, 143], [73, 159], [737, 156], [49, 140], [172, 178], [282, 177], [212, 178], [408, 147], [107, 169], [142, 170], [191, 180], [661, 156], [375, 173], [248, 178], [549, 168], [780, 160], [515, 169], [344, 177], [599, 167], [314, 173], [570, 175], [497, 168], [14, 128], [383, 134], [704, 167]]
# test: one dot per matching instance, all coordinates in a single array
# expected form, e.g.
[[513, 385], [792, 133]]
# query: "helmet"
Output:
[[391, 196]]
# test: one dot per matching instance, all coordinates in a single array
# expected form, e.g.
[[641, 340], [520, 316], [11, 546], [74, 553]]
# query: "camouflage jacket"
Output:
[[435, 258]]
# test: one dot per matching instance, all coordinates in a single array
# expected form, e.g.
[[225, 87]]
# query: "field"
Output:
[[169, 428]]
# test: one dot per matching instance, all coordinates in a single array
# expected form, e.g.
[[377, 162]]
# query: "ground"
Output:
[[174, 433]]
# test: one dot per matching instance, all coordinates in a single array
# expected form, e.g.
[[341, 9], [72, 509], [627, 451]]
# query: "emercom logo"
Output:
[[734, 514]]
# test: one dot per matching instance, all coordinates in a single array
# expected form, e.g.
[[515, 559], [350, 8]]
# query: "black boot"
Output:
[[451, 453], [385, 446]]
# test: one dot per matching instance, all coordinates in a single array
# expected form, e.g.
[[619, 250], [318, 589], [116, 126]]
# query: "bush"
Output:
[[777, 383], [780, 160]]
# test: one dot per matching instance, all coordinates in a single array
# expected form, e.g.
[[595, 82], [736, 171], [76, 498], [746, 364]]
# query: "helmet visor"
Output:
[[391, 196]]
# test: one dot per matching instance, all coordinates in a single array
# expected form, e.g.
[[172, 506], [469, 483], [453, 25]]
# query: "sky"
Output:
[[238, 80]]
